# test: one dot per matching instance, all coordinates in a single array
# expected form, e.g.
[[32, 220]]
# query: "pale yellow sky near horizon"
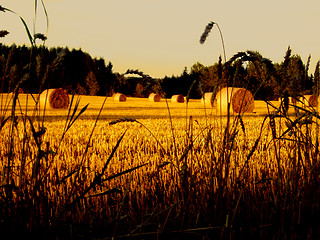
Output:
[[161, 37]]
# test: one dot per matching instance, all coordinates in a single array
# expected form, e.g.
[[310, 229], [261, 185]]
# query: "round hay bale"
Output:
[[310, 100], [208, 99], [119, 97], [153, 97], [55, 98], [240, 99], [177, 98]]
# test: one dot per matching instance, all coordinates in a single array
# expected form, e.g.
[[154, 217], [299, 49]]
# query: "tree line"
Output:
[[34, 69]]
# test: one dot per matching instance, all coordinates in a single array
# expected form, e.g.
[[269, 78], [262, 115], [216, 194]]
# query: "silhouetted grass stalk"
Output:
[[221, 189], [202, 41]]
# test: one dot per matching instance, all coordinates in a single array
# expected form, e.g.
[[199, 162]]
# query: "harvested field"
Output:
[[167, 168]]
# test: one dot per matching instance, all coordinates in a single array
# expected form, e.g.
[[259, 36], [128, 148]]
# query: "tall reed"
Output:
[[28, 162], [200, 182]]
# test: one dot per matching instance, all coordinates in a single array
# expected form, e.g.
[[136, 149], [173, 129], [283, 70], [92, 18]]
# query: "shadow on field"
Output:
[[111, 117], [104, 117]]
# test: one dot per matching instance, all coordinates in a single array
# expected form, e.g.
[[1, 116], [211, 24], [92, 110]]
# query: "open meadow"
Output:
[[159, 169]]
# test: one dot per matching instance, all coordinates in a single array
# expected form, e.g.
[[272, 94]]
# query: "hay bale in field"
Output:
[[153, 97], [119, 97], [240, 99], [208, 99], [55, 98], [309, 100], [177, 98]]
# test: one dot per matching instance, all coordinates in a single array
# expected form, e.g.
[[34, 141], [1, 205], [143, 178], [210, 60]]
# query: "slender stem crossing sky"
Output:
[[161, 37]]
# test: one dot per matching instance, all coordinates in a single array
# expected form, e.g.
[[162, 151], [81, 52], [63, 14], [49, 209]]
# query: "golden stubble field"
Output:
[[155, 116], [139, 146], [179, 155]]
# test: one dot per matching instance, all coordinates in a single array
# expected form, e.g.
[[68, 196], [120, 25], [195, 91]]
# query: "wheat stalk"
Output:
[[206, 33], [3, 33]]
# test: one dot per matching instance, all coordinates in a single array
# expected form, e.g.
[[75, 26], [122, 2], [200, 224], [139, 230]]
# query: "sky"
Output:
[[161, 37]]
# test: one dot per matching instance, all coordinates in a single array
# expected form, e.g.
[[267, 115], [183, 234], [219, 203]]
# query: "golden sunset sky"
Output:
[[161, 37]]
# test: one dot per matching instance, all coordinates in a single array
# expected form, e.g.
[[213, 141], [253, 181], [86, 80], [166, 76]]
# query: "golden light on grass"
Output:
[[164, 182]]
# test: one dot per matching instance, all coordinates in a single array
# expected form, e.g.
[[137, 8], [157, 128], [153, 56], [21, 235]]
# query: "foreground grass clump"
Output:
[[142, 174]]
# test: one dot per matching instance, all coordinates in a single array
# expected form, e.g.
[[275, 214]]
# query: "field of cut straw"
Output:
[[159, 169]]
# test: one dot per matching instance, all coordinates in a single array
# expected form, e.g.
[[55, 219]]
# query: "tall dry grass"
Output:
[[213, 177], [35, 194], [264, 184]]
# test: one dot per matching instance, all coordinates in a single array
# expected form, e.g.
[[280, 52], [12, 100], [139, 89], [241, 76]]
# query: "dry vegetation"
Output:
[[132, 168], [159, 169]]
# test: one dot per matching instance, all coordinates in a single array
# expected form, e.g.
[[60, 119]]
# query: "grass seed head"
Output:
[[40, 36], [122, 120], [3, 33], [206, 32]]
